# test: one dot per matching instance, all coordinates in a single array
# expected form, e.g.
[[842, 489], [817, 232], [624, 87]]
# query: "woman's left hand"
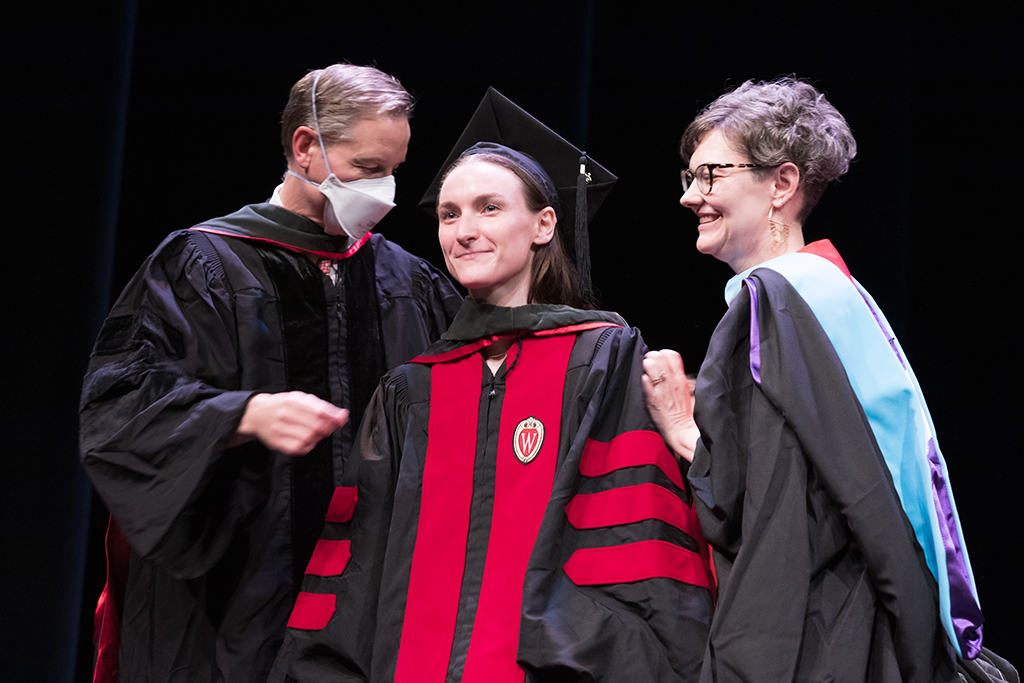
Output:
[[670, 399]]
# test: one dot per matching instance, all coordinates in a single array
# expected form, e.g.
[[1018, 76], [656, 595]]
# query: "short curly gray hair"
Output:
[[773, 122], [345, 94]]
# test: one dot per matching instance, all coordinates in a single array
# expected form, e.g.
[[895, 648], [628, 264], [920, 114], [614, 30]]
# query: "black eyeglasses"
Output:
[[705, 175]]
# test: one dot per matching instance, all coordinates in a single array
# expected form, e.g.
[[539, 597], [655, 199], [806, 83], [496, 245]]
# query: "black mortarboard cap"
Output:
[[580, 182]]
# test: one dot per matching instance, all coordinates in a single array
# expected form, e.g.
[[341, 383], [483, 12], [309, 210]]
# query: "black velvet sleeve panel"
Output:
[[160, 400]]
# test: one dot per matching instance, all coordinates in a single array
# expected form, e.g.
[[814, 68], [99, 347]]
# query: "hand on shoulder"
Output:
[[669, 395]]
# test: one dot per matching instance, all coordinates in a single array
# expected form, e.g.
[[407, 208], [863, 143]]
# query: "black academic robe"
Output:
[[530, 521], [820, 575], [220, 536]]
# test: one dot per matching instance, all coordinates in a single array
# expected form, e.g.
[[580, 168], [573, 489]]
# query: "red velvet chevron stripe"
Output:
[[329, 558], [312, 611], [343, 504], [630, 504], [637, 562], [629, 449]]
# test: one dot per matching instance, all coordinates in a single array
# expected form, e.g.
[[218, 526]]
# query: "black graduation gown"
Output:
[[820, 575], [220, 536], [450, 555]]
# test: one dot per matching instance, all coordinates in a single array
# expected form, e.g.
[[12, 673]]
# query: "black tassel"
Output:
[[581, 232]]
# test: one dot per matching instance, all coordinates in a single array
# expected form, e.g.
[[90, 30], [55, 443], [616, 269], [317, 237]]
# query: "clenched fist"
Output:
[[290, 422]]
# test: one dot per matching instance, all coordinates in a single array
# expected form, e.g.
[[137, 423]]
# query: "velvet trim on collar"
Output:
[[277, 225], [477, 320]]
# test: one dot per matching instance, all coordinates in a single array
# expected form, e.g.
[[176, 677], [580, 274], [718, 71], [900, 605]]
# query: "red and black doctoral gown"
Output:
[[529, 525], [219, 537]]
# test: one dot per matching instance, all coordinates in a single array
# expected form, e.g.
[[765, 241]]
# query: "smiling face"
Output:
[[734, 217], [487, 232]]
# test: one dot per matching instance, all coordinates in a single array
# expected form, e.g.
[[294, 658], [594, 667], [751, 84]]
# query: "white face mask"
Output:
[[355, 207]]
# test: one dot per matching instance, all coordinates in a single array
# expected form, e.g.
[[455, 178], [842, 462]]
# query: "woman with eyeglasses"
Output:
[[816, 472]]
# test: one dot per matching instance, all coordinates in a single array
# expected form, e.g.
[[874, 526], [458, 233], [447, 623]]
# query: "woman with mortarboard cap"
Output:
[[510, 512]]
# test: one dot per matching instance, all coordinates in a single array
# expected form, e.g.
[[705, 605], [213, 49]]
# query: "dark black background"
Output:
[[124, 121]]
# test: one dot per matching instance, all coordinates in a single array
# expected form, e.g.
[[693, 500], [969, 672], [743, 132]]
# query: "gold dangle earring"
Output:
[[780, 230]]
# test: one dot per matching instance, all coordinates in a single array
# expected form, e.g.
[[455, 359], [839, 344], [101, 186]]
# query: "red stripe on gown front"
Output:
[[533, 388], [439, 555]]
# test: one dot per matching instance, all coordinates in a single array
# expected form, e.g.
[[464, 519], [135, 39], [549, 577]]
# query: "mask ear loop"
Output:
[[316, 125]]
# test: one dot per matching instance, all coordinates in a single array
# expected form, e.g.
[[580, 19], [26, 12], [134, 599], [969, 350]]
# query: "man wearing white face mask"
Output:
[[360, 190], [241, 344]]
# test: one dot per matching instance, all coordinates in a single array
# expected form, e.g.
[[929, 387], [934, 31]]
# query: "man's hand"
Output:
[[290, 422]]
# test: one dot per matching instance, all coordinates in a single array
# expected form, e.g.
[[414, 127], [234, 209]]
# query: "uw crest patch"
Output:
[[528, 438]]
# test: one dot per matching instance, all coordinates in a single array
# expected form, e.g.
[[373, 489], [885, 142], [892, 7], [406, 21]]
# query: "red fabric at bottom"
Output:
[[109, 607]]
